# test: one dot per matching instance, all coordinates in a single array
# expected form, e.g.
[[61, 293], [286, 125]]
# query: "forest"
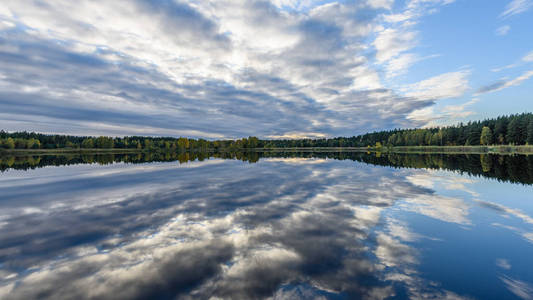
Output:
[[31, 140], [505, 130]]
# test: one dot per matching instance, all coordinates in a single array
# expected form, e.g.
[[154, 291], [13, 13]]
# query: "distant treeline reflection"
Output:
[[39, 161], [509, 168]]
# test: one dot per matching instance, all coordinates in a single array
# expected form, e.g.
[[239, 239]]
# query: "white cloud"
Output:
[[528, 57], [516, 7], [397, 38], [298, 135], [525, 59], [221, 60], [6, 24], [447, 209], [401, 231], [520, 288], [503, 263], [387, 4], [503, 30], [447, 85], [296, 4], [448, 115], [400, 64], [284, 68], [503, 84], [415, 3], [391, 252], [454, 113], [391, 42], [422, 179], [511, 211], [510, 66]]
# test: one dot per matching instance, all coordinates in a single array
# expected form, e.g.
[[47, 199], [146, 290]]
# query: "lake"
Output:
[[279, 225]]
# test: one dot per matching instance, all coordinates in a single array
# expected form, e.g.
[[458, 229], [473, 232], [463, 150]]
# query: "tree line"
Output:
[[505, 130], [32, 140]]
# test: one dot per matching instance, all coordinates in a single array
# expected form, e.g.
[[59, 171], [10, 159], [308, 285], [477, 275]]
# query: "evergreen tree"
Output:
[[513, 131], [530, 132], [522, 129]]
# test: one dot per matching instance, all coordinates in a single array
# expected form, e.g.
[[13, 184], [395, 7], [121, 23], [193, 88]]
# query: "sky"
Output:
[[274, 69]]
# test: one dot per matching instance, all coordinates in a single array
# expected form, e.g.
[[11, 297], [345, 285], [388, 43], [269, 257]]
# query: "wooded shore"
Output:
[[496, 149]]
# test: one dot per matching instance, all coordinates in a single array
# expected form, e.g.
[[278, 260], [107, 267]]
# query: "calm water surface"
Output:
[[280, 226]]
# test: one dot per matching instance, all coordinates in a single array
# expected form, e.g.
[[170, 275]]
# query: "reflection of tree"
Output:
[[513, 168], [486, 162]]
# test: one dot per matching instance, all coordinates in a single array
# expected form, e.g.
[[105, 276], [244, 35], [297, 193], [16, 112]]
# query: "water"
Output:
[[279, 225]]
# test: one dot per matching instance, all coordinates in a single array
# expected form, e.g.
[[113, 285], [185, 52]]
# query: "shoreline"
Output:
[[497, 149]]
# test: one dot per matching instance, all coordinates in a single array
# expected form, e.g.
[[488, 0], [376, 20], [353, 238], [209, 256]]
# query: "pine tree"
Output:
[[522, 129], [500, 130], [513, 131], [530, 132]]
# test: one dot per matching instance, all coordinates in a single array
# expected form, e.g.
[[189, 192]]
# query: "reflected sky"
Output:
[[281, 228]]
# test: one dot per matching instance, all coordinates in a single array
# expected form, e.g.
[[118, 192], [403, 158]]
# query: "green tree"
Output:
[[486, 136], [530, 132], [103, 142], [435, 139], [29, 143], [33, 144], [513, 131], [9, 143], [20, 143], [87, 143], [522, 129], [183, 143], [500, 130], [147, 144], [253, 142]]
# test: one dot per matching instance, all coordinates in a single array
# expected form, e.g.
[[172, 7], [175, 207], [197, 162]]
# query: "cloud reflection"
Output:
[[278, 228]]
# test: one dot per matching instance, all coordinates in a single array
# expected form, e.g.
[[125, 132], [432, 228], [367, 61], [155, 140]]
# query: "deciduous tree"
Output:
[[486, 136]]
